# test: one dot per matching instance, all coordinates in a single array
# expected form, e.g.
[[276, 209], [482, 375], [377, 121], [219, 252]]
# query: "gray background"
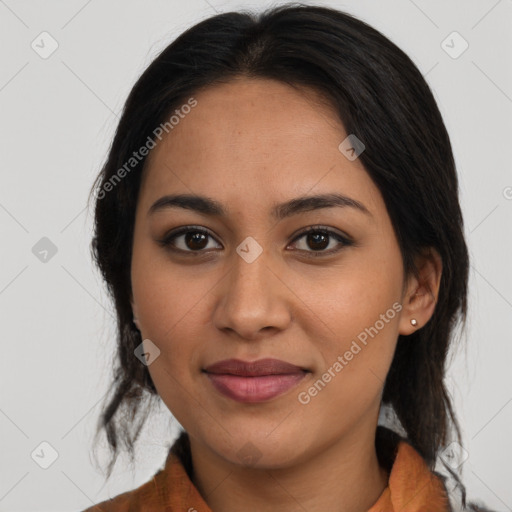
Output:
[[58, 115]]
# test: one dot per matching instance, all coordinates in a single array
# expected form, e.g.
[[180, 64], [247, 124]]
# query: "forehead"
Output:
[[255, 138]]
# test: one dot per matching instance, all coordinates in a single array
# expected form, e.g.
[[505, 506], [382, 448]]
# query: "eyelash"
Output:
[[166, 242]]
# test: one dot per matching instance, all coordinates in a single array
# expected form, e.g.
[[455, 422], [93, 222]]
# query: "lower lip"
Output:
[[254, 389]]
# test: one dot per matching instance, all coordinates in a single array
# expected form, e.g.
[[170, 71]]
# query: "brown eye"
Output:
[[317, 241], [188, 239], [195, 240], [318, 238]]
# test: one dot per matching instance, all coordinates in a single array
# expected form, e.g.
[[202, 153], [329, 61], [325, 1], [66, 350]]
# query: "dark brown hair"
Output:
[[382, 98]]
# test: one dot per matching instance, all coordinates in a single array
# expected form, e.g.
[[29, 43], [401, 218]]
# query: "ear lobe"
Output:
[[420, 299]]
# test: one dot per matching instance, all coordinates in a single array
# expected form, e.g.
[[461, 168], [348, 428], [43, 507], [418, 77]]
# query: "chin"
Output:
[[262, 451]]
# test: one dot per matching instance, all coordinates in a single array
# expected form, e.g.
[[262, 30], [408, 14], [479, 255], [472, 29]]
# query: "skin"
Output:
[[248, 144]]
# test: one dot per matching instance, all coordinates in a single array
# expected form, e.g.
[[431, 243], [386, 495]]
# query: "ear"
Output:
[[421, 294]]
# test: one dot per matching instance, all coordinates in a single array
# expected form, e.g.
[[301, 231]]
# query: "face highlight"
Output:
[[247, 280]]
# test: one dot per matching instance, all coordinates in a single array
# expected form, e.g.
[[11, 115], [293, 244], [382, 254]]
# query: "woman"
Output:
[[279, 226]]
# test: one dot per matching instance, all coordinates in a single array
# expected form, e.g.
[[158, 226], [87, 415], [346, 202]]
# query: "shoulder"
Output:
[[170, 489], [147, 497]]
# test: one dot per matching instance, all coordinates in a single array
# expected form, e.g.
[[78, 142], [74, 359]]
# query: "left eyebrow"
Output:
[[209, 206]]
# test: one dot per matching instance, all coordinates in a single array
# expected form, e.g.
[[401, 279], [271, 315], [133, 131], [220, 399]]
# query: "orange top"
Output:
[[412, 487]]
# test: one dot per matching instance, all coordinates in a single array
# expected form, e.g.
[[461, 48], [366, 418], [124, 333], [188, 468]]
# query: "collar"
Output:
[[412, 486]]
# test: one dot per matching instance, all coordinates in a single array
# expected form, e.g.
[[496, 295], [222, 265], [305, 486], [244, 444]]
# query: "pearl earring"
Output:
[[135, 321], [414, 322]]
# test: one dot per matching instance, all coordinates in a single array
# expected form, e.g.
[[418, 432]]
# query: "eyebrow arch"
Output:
[[209, 206]]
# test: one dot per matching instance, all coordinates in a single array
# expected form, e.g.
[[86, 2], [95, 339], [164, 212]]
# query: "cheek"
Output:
[[355, 360], [352, 296], [360, 311], [168, 296], [172, 312], [173, 320]]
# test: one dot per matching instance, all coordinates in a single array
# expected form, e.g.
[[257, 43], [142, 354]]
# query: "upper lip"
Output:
[[260, 367]]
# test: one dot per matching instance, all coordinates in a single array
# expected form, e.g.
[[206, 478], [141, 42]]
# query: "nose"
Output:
[[252, 299]]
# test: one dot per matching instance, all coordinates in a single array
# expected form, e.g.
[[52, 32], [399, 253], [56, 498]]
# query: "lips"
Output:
[[254, 368], [255, 381]]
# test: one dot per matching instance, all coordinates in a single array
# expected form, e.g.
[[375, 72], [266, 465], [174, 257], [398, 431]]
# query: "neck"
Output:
[[344, 477]]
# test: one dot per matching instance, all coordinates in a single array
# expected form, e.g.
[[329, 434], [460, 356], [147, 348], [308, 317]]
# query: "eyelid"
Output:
[[165, 241], [344, 239], [319, 227]]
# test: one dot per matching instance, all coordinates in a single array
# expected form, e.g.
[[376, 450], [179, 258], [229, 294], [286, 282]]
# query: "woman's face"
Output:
[[256, 286]]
